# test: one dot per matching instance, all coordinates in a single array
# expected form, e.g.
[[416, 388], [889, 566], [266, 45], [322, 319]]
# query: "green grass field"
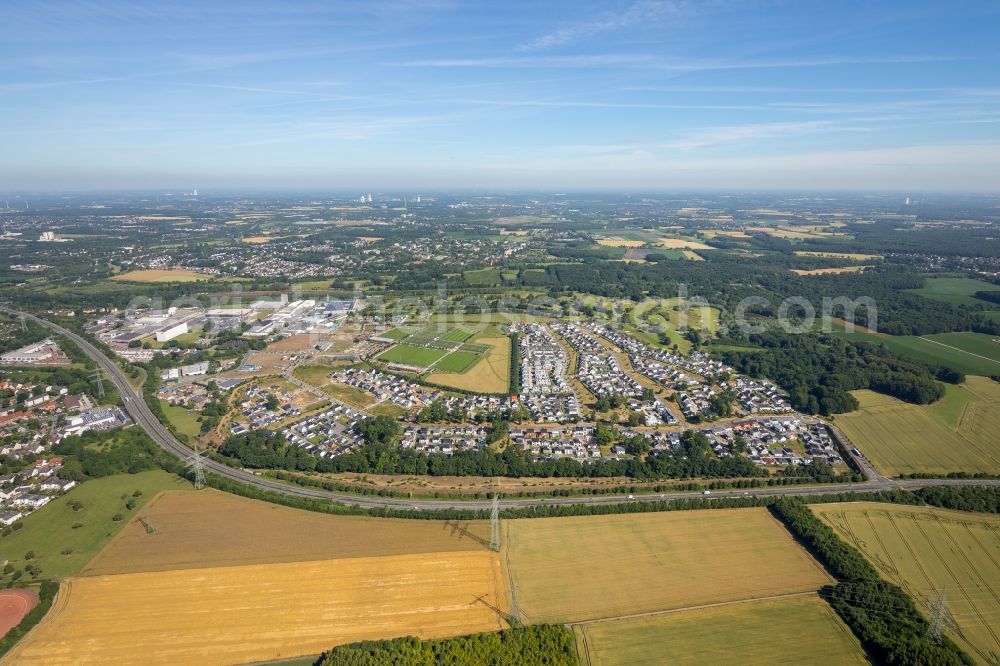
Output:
[[960, 432], [458, 361], [313, 285], [349, 394], [957, 291], [979, 345], [317, 375], [485, 277], [49, 531], [732, 633], [431, 344], [968, 353], [926, 551], [184, 420], [395, 334], [456, 335], [410, 355]]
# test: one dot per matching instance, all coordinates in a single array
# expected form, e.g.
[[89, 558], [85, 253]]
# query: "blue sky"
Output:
[[645, 94]]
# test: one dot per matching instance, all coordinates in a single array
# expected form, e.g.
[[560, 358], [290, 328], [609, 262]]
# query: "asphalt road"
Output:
[[144, 417]]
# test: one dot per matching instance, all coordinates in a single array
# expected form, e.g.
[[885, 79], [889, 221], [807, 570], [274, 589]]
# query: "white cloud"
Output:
[[598, 60], [671, 65], [644, 12]]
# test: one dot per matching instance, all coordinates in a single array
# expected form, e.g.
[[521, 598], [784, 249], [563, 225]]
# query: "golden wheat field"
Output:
[[960, 432], [928, 552], [592, 567], [235, 615], [209, 528]]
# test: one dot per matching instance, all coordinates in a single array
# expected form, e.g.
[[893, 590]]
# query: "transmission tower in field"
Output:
[[512, 617], [98, 380], [196, 463], [495, 520]]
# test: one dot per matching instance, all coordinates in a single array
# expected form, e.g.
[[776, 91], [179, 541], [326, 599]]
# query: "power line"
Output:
[[495, 519]]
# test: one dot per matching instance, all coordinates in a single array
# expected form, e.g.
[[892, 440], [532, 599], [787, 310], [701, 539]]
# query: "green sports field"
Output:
[[458, 361], [456, 335], [484, 277], [420, 357], [433, 344]]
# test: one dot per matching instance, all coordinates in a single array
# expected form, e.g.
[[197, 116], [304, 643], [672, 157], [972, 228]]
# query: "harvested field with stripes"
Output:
[[931, 552]]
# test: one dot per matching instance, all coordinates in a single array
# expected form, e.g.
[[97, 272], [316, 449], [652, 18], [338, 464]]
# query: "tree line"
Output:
[[536, 644]]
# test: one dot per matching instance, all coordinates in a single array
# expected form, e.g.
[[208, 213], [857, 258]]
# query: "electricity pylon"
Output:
[[97, 379], [196, 462], [495, 519]]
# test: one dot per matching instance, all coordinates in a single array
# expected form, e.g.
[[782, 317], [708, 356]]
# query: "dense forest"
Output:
[[519, 646], [818, 371]]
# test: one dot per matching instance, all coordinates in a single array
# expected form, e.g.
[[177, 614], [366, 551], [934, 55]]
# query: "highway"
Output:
[[139, 411]]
